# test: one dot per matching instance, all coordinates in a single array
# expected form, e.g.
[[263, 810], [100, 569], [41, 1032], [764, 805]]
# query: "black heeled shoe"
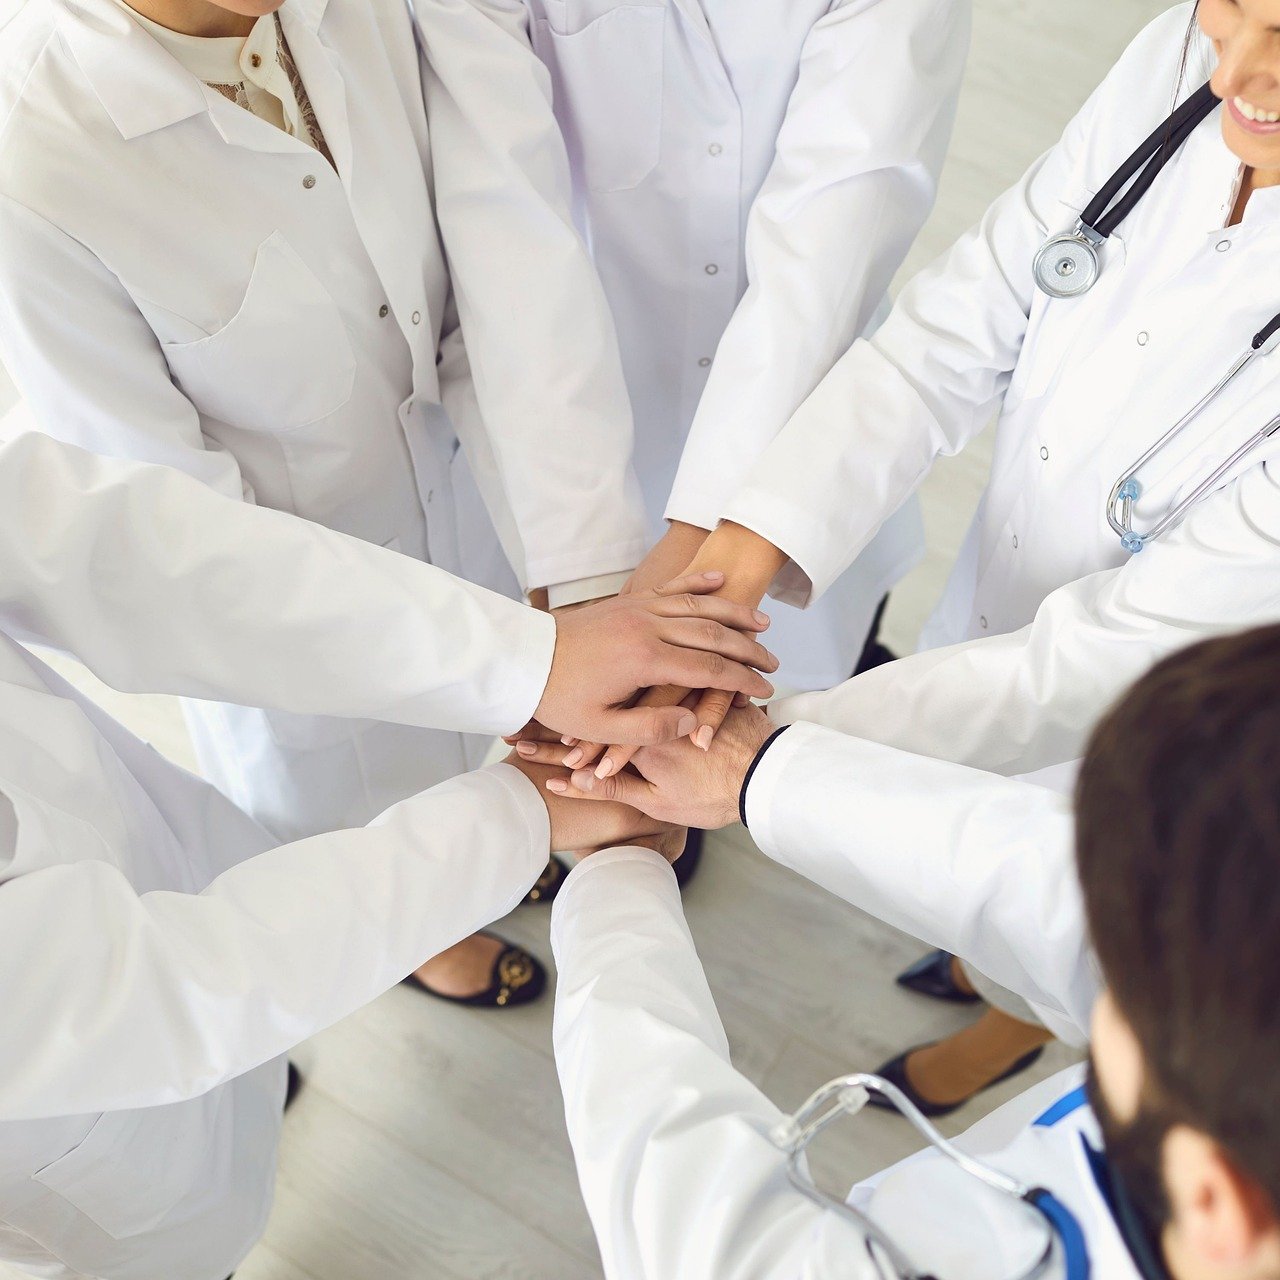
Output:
[[931, 976], [895, 1072], [516, 978]]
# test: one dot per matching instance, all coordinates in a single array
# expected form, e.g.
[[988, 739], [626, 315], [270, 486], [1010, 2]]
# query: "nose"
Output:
[[1248, 68]]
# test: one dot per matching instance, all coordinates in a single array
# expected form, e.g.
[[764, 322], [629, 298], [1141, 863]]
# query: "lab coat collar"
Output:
[[141, 86]]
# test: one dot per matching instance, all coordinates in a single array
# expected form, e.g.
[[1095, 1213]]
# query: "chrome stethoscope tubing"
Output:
[[847, 1096], [1128, 488]]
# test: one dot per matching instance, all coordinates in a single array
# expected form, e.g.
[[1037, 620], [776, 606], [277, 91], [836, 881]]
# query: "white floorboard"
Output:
[[429, 1142]]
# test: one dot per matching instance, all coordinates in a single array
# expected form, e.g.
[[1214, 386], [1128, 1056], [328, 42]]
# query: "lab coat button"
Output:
[[711, 268], [1044, 453], [706, 360], [382, 311], [309, 181], [417, 317], [1143, 338], [714, 149], [1015, 542], [1223, 245], [982, 622]]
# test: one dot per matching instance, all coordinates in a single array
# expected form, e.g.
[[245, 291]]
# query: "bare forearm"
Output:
[[748, 561]]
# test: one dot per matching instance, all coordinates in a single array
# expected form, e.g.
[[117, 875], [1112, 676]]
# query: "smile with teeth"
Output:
[[1256, 114]]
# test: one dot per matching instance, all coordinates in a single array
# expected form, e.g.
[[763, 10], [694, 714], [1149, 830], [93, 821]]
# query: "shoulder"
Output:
[[27, 30], [50, 119]]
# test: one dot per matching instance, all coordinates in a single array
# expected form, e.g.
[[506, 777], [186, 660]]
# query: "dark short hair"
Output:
[[1178, 836]]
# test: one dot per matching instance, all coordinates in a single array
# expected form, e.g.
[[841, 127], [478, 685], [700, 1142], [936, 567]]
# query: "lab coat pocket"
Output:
[[282, 361], [133, 1168], [608, 93]]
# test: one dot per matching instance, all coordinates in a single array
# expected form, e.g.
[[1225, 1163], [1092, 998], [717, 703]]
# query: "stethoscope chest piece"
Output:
[[1067, 265]]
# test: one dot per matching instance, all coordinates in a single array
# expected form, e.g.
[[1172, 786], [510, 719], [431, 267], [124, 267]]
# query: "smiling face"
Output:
[[1246, 38]]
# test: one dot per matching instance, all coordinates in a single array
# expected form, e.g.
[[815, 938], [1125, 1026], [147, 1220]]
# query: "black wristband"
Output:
[[746, 781]]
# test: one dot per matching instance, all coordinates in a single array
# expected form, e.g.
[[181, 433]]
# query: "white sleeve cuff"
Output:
[[579, 590]]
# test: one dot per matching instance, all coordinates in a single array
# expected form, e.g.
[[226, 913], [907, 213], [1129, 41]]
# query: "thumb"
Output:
[[647, 726]]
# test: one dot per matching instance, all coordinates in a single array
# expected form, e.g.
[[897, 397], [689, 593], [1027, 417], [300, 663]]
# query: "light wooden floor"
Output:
[[428, 1144]]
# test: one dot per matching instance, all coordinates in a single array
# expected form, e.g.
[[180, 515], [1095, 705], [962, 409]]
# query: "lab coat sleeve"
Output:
[[160, 584], [532, 379], [1024, 701], [981, 866], [679, 1173], [176, 582], [169, 994], [853, 179], [934, 373]]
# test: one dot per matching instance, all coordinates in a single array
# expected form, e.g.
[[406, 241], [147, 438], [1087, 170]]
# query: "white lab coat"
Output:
[[1047, 618], [831, 118], [139, 570], [182, 283], [159, 954], [675, 1159]]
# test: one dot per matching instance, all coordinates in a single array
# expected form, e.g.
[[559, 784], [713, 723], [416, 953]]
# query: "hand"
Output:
[[678, 783], [588, 828], [751, 563], [668, 558], [607, 653]]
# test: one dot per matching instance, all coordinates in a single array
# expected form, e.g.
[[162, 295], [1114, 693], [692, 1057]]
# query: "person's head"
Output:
[[1178, 838], [1246, 37]]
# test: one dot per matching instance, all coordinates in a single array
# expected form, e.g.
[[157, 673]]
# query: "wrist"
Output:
[[748, 561]]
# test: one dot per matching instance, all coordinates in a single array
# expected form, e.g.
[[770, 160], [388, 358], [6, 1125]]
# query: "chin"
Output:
[[251, 8], [1257, 152]]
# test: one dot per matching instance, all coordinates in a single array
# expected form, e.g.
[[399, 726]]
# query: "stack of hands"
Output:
[[647, 715]]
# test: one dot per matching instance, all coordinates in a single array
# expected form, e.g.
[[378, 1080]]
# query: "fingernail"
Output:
[[688, 723], [526, 748], [713, 575], [761, 618], [604, 768], [574, 758], [567, 740], [584, 780], [702, 739], [558, 785]]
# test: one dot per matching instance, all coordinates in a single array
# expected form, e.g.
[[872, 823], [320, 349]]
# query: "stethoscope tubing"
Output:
[[847, 1096]]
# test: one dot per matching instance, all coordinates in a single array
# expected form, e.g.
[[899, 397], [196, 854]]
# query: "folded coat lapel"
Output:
[[348, 76]]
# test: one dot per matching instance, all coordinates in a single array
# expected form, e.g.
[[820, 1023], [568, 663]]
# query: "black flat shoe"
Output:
[[895, 1072], [548, 884], [686, 865], [517, 978], [931, 976]]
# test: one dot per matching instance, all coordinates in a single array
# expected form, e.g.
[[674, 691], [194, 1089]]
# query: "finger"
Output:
[[741, 617], [711, 710], [554, 753], [712, 637], [699, 583], [694, 669], [532, 732], [619, 755], [646, 727], [740, 700], [582, 753], [624, 788]]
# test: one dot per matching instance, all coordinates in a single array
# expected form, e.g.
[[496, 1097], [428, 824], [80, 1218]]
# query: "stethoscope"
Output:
[[846, 1097], [1068, 265]]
